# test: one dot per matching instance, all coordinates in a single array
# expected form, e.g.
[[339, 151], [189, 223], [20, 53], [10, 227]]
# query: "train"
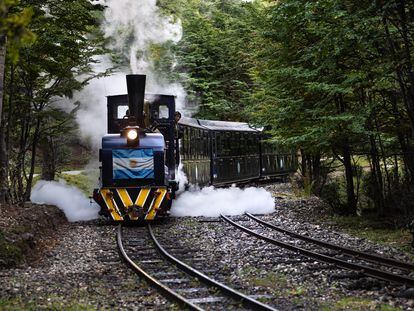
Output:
[[147, 141]]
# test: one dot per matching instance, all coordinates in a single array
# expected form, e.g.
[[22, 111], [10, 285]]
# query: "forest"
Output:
[[331, 79]]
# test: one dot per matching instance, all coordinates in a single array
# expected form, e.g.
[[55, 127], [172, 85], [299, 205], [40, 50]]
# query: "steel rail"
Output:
[[379, 274], [166, 291], [357, 254], [244, 299]]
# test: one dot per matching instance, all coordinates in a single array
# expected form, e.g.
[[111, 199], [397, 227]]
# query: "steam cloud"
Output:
[[211, 202], [70, 200], [131, 27]]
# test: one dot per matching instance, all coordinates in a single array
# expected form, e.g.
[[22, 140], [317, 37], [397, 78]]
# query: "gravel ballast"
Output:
[[84, 269]]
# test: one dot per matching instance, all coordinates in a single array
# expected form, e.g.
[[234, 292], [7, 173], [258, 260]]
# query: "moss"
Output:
[[276, 283], [374, 230], [16, 304], [81, 181], [10, 253], [20, 229], [356, 303], [271, 280]]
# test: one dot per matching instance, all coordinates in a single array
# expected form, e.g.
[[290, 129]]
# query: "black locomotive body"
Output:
[[147, 140], [137, 175]]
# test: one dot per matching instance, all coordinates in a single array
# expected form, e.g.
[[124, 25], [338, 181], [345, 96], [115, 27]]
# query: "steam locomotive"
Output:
[[147, 139]]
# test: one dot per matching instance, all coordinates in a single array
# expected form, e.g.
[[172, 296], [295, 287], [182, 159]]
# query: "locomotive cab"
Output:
[[137, 172]]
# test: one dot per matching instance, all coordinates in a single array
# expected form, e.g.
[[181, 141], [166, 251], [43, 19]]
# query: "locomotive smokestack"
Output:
[[136, 93]]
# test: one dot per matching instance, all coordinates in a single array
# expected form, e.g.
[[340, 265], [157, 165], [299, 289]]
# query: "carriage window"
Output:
[[253, 144], [237, 143], [227, 144], [205, 137], [190, 141], [185, 143], [198, 143], [232, 143], [121, 111], [218, 144], [243, 144], [194, 143], [214, 143], [163, 112]]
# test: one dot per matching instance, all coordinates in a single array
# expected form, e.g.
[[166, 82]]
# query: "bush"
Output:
[[331, 194]]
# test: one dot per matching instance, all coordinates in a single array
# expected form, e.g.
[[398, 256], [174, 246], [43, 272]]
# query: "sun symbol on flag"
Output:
[[133, 163]]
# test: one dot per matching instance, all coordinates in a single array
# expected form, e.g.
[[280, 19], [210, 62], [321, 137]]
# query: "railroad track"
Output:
[[176, 280], [349, 263]]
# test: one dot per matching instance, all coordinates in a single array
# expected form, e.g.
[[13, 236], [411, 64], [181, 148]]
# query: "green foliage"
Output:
[[14, 20], [303, 73], [55, 303], [358, 303], [63, 49], [330, 78], [58, 63], [374, 229], [214, 56], [325, 80], [83, 182]]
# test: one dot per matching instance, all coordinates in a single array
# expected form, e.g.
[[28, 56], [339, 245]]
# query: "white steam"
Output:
[[132, 27], [212, 202], [181, 178], [70, 200]]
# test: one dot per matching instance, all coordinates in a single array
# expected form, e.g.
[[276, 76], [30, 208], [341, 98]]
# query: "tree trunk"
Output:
[[48, 159], [317, 177], [349, 177], [3, 148], [2, 72], [347, 161], [377, 184], [17, 176], [396, 174], [32, 161], [384, 157], [4, 166]]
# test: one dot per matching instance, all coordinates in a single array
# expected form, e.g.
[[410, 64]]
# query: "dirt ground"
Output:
[[27, 231]]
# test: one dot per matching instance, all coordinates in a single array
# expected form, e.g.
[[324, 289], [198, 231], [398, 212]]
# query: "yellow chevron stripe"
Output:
[[111, 204], [142, 197], [126, 200], [123, 194], [159, 197]]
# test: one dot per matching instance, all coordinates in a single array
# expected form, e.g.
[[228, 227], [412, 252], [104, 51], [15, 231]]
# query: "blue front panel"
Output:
[[133, 163]]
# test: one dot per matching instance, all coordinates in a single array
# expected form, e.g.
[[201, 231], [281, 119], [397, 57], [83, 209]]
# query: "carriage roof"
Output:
[[217, 125]]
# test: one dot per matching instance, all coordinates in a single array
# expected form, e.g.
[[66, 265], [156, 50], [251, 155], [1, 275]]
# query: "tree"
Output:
[[14, 33], [213, 58], [58, 63], [318, 87]]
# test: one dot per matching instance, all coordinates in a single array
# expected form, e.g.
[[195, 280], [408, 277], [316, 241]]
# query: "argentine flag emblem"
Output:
[[133, 163]]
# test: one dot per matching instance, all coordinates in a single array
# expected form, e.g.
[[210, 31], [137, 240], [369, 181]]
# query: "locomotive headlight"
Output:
[[132, 134]]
